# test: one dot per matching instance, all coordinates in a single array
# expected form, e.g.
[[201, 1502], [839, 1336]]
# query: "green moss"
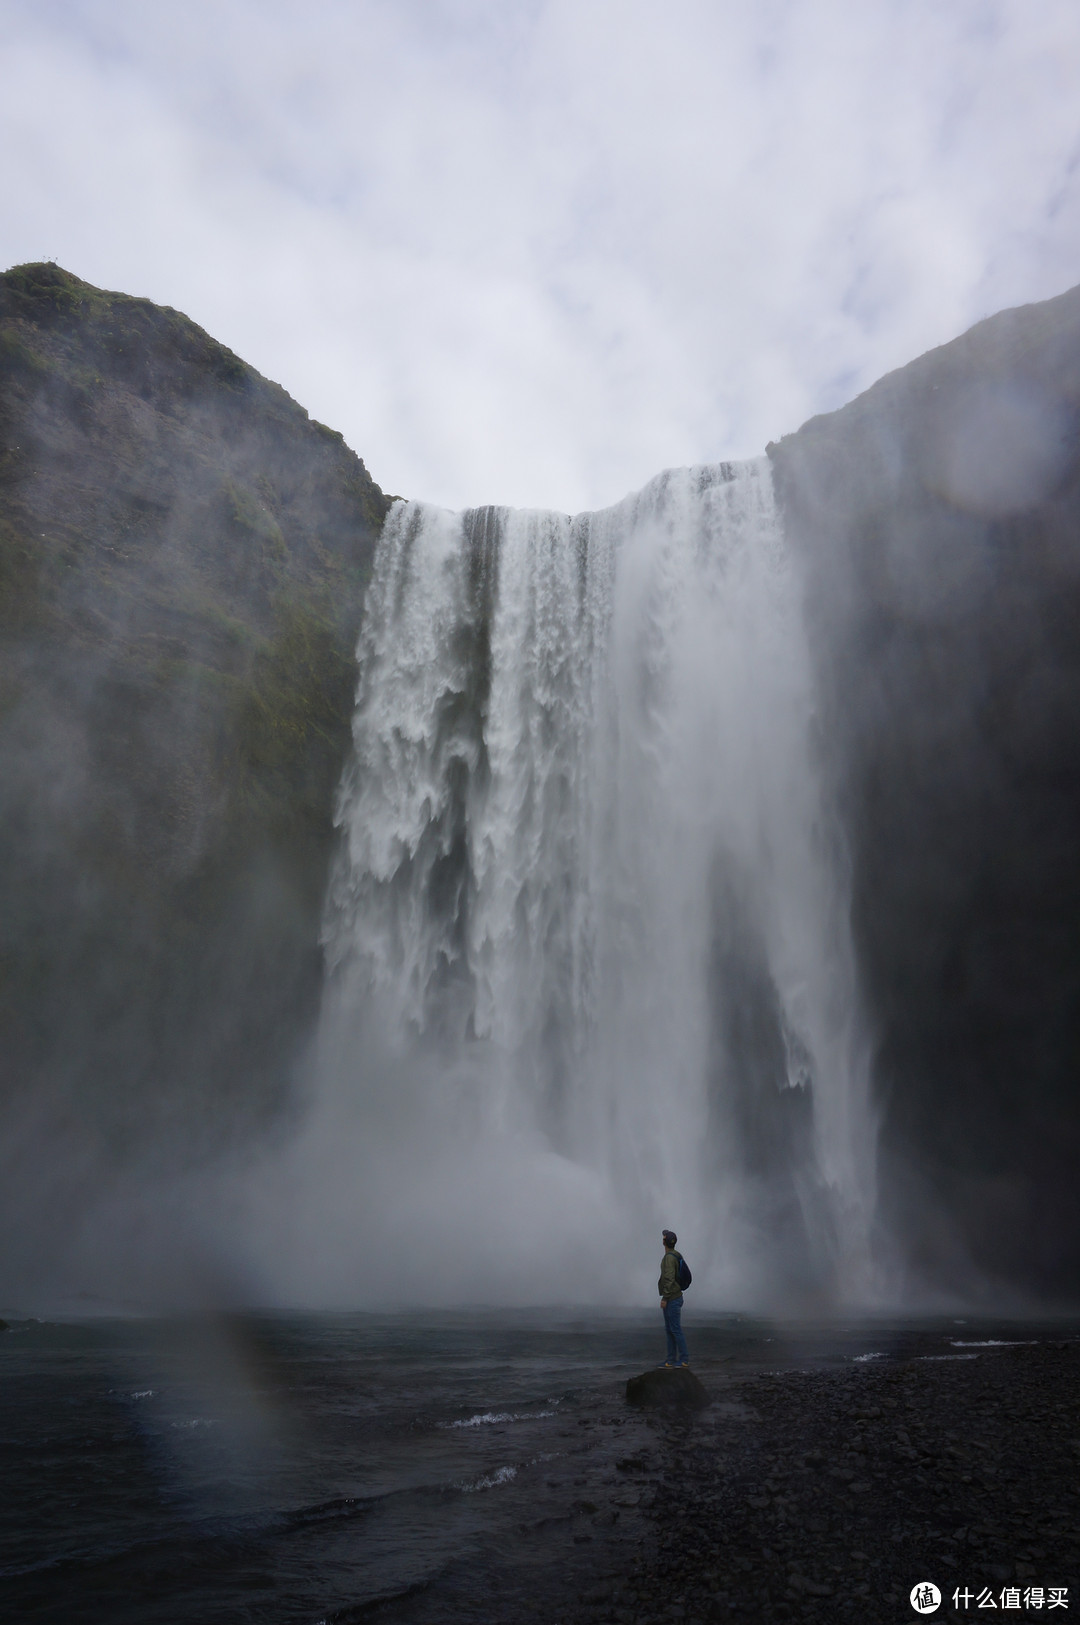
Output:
[[202, 678], [20, 577], [50, 290], [248, 513], [287, 733], [234, 631], [16, 353], [86, 381]]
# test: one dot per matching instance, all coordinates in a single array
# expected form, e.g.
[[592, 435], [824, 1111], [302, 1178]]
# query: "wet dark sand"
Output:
[[828, 1495]]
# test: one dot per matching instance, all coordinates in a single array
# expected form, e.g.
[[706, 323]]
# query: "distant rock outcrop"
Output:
[[667, 1386], [183, 557]]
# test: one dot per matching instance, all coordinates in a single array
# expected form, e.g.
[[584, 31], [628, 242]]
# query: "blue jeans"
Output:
[[676, 1343]]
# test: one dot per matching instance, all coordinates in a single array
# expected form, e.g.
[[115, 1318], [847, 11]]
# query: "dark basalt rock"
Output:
[[665, 1387], [937, 520]]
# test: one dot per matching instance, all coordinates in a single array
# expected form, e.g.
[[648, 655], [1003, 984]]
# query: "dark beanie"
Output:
[[670, 1238]]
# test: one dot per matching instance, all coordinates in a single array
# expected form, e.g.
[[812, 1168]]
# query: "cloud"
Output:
[[535, 253]]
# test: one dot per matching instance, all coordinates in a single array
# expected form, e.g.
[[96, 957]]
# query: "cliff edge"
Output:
[[183, 557]]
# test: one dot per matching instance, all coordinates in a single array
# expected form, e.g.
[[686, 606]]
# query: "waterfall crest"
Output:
[[589, 919]]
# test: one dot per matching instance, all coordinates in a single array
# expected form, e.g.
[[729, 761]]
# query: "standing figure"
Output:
[[671, 1301]]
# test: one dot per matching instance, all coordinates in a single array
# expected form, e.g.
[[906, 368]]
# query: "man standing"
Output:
[[671, 1301]]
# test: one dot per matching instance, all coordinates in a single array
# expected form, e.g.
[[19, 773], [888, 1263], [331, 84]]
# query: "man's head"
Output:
[[670, 1238]]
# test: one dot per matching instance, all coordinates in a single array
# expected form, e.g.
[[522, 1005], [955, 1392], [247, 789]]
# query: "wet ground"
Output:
[[833, 1494], [443, 1468]]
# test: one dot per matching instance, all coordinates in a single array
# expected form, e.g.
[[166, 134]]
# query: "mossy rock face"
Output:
[[183, 560]]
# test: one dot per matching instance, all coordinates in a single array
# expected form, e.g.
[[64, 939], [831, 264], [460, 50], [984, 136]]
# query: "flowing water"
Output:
[[589, 962]]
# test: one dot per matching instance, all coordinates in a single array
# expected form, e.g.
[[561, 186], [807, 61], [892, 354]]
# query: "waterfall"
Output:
[[589, 921]]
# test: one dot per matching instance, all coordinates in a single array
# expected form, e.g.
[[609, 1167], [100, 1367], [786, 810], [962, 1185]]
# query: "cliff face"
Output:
[[938, 517], [183, 556]]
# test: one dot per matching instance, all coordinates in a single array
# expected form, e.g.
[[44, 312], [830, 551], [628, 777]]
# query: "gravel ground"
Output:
[[828, 1495]]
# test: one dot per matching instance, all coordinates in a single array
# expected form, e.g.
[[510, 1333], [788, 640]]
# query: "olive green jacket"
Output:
[[669, 1275]]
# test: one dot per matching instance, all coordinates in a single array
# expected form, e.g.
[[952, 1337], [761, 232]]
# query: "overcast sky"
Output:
[[533, 251]]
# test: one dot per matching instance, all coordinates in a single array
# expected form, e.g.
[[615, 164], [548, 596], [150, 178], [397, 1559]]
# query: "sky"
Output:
[[533, 251]]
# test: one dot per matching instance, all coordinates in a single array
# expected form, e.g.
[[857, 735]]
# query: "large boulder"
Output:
[[667, 1386]]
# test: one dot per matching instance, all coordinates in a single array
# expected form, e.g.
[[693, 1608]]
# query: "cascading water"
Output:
[[589, 962]]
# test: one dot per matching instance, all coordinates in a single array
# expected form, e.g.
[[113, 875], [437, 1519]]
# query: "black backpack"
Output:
[[684, 1275]]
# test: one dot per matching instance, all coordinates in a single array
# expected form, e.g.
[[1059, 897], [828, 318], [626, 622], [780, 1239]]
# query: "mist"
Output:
[[438, 908], [580, 797]]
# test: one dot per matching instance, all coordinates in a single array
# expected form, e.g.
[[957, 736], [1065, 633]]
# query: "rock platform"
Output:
[[673, 1387]]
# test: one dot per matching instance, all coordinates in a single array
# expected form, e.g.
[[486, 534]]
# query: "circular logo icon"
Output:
[[925, 1597]]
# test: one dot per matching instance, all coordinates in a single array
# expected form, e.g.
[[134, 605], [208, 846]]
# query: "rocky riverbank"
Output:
[[828, 1495]]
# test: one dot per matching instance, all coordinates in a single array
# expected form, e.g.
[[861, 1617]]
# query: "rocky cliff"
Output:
[[183, 555], [938, 518]]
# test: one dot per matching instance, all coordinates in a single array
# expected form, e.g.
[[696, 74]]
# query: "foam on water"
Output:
[[489, 1417], [491, 1481], [992, 1343]]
